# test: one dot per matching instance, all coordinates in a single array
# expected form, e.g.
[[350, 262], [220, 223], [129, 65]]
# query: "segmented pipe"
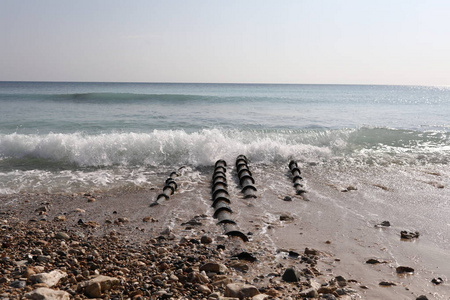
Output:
[[245, 177], [296, 179], [169, 189], [221, 201]]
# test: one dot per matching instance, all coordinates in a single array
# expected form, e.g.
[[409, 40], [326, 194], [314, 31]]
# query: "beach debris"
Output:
[[437, 281], [404, 270], [297, 179], [406, 235], [245, 177]]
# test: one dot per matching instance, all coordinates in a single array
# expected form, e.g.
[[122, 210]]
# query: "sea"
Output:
[[68, 137]]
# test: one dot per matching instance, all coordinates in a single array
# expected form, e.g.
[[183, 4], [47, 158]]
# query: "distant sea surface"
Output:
[[72, 137]]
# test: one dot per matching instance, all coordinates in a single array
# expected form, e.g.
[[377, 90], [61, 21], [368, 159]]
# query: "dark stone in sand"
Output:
[[373, 261], [246, 256], [438, 280], [404, 270], [409, 235], [18, 284], [387, 283], [293, 254], [287, 198], [291, 275], [422, 297]]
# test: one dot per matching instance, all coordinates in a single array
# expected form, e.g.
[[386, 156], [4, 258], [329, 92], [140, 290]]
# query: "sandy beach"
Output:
[[175, 250]]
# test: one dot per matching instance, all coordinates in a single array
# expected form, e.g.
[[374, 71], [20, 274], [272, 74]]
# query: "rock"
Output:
[[91, 286], [309, 293], [286, 218], [47, 294], [123, 220], [404, 270], [293, 254], [291, 275], [94, 290], [309, 251], [287, 198], [422, 297], [214, 267], [409, 235], [204, 289], [62, 236], [261, 297], [79, 210], [52, 278], [91, 199], [341, 281], [18, 284], [60, 218], [384, 224], [206, 240], [240, 290], [387, 283], [240, 266], [246, 256], [373, 261], [437, 281]]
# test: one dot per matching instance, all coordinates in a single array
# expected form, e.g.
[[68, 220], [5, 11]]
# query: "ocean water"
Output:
[[72, 137]]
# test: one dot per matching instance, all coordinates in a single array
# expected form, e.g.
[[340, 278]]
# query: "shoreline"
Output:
[[327, 262]]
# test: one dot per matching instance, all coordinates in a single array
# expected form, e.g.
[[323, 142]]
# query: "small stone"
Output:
[[309, 251], [409, 235], [60, 218], [206, 240], [287, 198], [291, 275], [437, 281], [203, 289], [404, 270], [47, 294], [293, 254], [62, 236], [341, 281], [309, 293], [214, 267], [246, 256], [18, 284], [240, 291], [123, 220], [286, 218], [93, 290], [91, 199], [240, 266], [422, 297], [387, 283], [373, 261], [79, 210], [50, 279]]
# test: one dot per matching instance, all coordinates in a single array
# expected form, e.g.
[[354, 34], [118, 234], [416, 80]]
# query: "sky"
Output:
[[229, 41]]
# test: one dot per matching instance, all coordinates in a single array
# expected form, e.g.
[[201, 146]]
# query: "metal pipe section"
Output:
[[221, 201], [297, 179], [245, 177], [169, 189]]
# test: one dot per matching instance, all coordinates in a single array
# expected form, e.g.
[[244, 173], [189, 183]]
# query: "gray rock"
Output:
[[47, 294], [422, 297], [50, 279], [309, 293], [240, 290], [18, 284]]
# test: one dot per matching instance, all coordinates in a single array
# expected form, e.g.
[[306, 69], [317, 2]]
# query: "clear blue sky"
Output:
[[311, 41]]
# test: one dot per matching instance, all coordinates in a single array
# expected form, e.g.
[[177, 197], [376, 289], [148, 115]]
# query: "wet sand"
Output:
[[342, 235]]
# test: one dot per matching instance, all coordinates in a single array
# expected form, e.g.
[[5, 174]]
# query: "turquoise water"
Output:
[[68, 136]]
